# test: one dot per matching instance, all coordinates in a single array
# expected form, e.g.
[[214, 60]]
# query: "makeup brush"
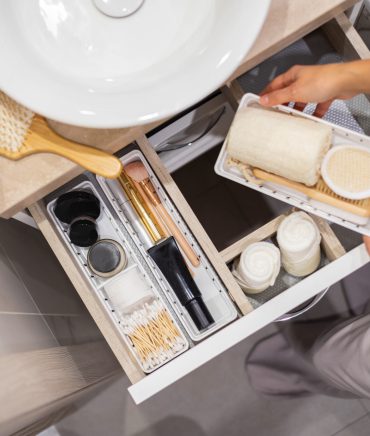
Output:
[[137, 171], [151, 224], [23, 133], [167, 255]]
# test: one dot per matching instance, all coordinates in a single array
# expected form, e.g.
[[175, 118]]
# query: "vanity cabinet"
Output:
[[287, 22]]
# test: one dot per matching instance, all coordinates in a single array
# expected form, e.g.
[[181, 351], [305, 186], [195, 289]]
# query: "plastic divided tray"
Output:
[[341, 136], [213, 291], [109, 229]]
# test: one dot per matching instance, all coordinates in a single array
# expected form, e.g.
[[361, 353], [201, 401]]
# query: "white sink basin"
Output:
[[70, 62]]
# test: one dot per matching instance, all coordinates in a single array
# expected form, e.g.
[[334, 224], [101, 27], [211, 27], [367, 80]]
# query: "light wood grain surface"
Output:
[[345, 39], [329, 241], [24, 182], [262, 233], [288, 21]]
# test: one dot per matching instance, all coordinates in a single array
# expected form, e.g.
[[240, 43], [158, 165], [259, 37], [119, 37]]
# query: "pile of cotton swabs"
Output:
[[154, 335]]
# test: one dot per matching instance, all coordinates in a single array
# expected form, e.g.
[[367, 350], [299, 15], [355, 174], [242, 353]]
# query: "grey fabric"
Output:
[[328, 356], [274, 368], [343, 357]]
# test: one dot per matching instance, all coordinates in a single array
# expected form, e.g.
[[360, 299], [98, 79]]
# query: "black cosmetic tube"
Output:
[[167, 256]]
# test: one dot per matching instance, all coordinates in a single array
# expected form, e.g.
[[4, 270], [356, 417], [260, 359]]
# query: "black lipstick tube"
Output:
[[167, 256]]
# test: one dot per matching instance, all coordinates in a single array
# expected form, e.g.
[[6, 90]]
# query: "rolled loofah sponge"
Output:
[[281, 144]]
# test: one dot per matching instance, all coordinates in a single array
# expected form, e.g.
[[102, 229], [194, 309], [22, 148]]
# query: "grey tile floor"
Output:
[[216, 400]]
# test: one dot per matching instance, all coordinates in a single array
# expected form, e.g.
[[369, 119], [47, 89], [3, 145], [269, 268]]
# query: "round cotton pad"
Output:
[[346, 170]]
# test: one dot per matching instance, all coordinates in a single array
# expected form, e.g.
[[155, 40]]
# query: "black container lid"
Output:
[[106, 258], [83, 232], [199, 314], [74, 204]]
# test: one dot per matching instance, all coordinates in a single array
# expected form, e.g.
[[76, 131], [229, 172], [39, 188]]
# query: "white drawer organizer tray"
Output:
[[213, 291], [108, 229], [341, 136]]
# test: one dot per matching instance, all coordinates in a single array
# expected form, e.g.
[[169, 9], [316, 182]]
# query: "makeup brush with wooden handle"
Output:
[[23, 133], [137, 171]]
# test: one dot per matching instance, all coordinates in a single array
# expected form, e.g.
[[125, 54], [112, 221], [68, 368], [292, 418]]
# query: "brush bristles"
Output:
[[324, 188], [137, 171], [15, 120]]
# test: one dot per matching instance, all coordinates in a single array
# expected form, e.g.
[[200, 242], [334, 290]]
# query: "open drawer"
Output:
[[251, 320]]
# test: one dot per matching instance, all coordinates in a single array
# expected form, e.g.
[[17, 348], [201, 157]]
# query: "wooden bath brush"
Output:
[[23, 133]]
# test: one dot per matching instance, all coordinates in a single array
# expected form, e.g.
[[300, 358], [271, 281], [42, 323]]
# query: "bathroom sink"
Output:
[[118, 63]]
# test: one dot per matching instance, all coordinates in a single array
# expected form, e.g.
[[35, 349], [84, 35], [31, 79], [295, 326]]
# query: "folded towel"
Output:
[[299, 241], [258, 267]]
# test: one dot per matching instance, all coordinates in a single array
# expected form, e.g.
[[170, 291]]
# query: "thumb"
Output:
[[367, 243], [280, 96]]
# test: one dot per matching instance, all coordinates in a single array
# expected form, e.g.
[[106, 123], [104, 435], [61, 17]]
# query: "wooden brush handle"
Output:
[[176, 233], [268, 177], [41, 139], [313, 193]]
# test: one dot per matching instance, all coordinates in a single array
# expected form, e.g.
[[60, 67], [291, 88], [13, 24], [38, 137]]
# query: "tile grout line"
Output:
[[29, 294], [67, 315], [367, 414], [367, 408], [15, 270]]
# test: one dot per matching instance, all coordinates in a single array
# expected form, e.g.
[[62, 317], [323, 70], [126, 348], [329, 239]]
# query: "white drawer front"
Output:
[[249, 324]]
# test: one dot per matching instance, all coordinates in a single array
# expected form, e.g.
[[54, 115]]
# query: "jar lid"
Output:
[[74, 204], [106, 258], [83, 232]]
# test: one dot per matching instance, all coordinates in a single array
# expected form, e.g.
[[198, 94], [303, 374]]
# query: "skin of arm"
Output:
[[320, 84]]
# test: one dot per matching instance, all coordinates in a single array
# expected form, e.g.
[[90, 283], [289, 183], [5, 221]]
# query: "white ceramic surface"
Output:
[[70, 62], [118, 8]]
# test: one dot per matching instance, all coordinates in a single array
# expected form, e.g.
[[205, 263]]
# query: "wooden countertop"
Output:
[[26, 181]]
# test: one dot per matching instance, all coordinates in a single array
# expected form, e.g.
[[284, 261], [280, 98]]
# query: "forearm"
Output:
[[356, 77]]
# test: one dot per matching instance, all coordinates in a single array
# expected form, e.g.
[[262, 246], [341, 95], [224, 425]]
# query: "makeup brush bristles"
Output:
[[137, 171], [15, 120], [153, 334]]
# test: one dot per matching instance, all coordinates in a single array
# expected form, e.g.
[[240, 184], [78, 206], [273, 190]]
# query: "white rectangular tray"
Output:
[[340, 136], [213, 291], [108, 229]]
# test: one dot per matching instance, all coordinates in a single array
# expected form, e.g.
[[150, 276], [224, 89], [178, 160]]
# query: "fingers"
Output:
[[282, 81], [367, 243], [299, 106], [322, 108], [280, 96]]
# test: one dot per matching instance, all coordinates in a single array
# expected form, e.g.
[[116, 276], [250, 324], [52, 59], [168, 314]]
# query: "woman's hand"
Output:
[[319, 84]]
